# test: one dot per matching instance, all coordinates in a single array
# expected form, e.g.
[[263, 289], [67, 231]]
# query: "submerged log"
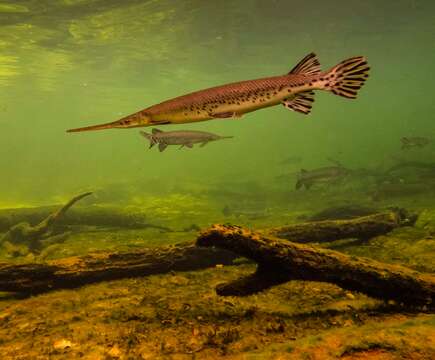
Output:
[[30, 237], [77, 271], [73, 272], [343, 212], [92, 215], [430, 166], [281, 261], [364, 227]]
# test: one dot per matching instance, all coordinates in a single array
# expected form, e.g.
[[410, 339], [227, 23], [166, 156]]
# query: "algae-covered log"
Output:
[[77, 271], [44, 228], [364, 227], [280, 261], [29, 237], [92, 215]]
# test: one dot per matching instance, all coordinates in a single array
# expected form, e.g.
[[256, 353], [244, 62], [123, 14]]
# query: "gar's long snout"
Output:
[[127, 122], [111, 125]]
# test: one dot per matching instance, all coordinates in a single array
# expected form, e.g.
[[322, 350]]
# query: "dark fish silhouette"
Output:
[[308, 178], [414, 142]]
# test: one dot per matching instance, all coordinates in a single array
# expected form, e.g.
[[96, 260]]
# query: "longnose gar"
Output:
[[414, 142], [180, 137], [327, 174], [294, 90]]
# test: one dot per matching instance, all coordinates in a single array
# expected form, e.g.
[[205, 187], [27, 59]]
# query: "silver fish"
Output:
[[413, 142], [180, 137], [308, 178]]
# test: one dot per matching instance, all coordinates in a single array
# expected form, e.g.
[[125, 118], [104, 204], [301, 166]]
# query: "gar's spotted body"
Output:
[[307, 178], [294, 90]]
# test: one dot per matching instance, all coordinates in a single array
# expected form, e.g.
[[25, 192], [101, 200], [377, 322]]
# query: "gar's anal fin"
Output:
[[162, 146], [301, 102]]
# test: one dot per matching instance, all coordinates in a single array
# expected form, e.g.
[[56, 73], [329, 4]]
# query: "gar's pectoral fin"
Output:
[[308, 184], [162, 146]]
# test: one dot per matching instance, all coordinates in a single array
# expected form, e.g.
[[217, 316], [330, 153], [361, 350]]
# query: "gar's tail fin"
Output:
[[346, 78]]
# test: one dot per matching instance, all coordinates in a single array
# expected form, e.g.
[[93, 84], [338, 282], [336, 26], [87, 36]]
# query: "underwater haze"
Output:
[[243, 233]]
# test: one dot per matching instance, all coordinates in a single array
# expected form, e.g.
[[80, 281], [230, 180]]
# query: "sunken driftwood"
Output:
[[32, 238], [429, 166], [92, 215], [364, 227], [33, 278], [280, 261]]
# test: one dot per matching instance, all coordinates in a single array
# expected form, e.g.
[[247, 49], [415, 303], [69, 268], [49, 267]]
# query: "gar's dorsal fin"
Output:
[[156, 131], [309, 65]]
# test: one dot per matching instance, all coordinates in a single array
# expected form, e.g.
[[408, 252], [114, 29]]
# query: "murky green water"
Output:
[[70, 63]]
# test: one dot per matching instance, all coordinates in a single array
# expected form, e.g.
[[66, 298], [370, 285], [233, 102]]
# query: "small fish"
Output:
[[414, 142], [416, 165], [293, 90], [308, 178], [180, 137]]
